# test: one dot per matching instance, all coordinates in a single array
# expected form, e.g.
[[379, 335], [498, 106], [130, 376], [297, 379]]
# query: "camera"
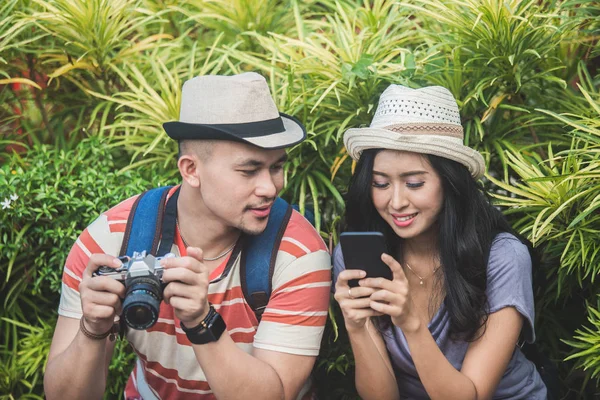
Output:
[[142, 277]]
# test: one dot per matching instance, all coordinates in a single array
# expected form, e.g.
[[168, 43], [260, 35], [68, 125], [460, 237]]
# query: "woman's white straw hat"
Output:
[[424, 120]]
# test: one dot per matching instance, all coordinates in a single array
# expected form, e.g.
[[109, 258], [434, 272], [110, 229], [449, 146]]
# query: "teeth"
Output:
[[406, 218]]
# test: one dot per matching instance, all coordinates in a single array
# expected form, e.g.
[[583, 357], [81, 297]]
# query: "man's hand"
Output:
[[100, 295], [187, 286]]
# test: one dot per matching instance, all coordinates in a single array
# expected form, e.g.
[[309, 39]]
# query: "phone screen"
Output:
[[362, 250]]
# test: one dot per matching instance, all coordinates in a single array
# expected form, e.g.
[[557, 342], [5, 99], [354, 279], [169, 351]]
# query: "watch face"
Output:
[[210, 331]]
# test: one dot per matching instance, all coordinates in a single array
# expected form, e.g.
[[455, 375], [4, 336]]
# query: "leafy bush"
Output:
[[48, 197], [525, 73]]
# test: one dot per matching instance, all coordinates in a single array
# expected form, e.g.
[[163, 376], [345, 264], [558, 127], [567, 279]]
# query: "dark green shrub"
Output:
[[48, 197]]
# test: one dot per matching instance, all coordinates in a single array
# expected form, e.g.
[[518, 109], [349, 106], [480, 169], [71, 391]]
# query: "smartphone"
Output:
[[362, 250]]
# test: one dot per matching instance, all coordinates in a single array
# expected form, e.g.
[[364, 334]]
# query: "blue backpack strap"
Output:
[[145, 222], [259, 256]]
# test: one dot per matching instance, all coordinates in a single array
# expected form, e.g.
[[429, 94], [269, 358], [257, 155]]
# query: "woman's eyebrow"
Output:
[[402, 175]]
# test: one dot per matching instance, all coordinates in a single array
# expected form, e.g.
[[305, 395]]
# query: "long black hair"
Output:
[[467, 224]]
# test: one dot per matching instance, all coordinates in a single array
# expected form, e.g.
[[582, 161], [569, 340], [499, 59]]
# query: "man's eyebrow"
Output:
[[402, 175], [258, 164], [250, 163]]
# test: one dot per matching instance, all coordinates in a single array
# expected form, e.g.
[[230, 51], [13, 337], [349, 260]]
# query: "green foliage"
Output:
[[333, 374], [48, 197], [525, 74], [93, 35], [11, 29], [502, 60], [233, 18], [560, 196], [587, 341], [555, 203], [119, 370]]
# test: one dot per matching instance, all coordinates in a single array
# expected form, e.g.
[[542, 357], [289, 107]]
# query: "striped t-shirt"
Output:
[[167, 368]]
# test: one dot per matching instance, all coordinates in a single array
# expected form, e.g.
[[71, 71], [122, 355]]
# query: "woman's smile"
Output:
[[403, 220]]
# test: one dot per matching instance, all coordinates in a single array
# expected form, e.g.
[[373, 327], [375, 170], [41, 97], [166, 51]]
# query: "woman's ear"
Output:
[[188, 168]]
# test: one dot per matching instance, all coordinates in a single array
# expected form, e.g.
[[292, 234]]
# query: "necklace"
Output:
[[223, 254], [421, 278]]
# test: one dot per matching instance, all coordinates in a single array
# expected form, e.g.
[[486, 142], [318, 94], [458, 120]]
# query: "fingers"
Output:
[[188, 262], [102, 284], [381, 283], [187, 286], [178, 289], [351, 304], [184, 275], [359, 316], [359, 291], [354, 302], [396, 305], [389, 297], [101, 298], [98, 316], [195, 252], [387, 309], [346, 275], [353, 293], [98, 260], [397, 271]]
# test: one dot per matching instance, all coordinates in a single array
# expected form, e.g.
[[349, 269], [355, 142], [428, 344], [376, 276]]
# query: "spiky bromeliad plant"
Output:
[[557, 201], [114, 68]]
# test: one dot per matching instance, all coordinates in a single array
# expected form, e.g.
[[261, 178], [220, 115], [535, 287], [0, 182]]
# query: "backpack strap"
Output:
[[145, 221], [259, 256]]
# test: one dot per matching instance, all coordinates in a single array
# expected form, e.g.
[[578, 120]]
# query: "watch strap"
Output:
[[208, 330]]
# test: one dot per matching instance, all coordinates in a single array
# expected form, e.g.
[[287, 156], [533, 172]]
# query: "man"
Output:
[[232, 141]]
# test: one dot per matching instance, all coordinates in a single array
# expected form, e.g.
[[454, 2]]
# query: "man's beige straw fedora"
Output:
[[238, 108]]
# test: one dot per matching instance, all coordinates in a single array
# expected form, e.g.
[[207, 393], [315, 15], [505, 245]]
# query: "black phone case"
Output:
[[362, 250]]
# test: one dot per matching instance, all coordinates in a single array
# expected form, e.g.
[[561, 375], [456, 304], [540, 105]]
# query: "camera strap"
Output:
[[145, 222], [169, 222]]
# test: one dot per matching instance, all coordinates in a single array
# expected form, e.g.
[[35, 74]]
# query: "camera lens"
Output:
[[142, 301]]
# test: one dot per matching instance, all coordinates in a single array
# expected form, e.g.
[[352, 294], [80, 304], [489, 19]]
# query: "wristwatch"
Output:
[[208, 330]]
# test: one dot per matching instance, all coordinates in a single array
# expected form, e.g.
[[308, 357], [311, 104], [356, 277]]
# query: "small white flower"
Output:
[[5, 204], [14, 197]]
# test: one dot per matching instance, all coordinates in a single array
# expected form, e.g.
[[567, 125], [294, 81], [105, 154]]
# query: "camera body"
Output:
[[142, 276]]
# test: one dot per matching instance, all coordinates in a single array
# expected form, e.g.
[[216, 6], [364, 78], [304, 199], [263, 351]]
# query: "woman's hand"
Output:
[[355, 301], [392, 297]]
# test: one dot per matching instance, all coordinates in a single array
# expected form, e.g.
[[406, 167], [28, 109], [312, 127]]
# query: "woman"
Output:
[[447, 326]]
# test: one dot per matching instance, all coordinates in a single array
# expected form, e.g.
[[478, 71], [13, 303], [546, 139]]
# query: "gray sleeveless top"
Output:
[[509, 285]]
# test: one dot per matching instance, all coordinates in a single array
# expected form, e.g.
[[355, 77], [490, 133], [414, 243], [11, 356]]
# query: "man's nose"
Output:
[[266, 186]]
